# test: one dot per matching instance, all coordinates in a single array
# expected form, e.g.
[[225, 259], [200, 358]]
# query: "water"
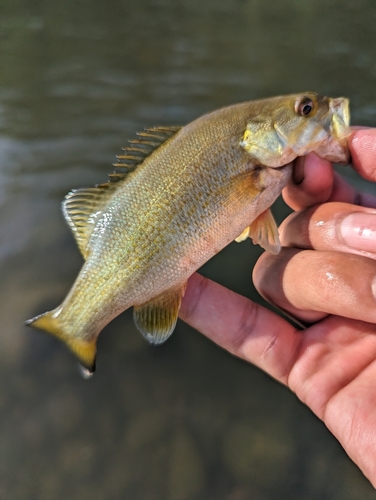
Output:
[[185, 421]]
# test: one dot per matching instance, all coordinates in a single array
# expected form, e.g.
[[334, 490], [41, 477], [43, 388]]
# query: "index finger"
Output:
[[240, 326]]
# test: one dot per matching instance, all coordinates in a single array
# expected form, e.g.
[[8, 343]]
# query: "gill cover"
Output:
[[265, 143]]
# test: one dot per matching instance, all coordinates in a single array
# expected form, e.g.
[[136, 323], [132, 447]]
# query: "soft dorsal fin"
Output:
[[82, 207]]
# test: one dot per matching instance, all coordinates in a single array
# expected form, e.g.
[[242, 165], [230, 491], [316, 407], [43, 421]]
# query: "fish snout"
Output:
[[340, 107]]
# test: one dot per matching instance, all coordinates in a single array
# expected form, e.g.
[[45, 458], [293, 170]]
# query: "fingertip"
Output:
[[362, 145]]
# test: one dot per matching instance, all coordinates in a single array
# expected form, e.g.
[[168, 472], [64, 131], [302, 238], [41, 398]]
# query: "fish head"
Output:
[[282, 128]]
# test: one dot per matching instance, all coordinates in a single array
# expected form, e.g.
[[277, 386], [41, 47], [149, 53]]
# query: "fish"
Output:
[[177, 197]]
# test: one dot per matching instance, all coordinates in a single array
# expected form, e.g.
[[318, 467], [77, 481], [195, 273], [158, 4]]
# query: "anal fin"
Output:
[[264, 232], [157, 319]]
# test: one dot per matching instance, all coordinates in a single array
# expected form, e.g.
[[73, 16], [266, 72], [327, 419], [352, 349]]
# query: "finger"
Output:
[[362, 145], [339, 283], [332, 226], [240, 326], [311, 182], [261, 337], [320, 185], [346, 193]]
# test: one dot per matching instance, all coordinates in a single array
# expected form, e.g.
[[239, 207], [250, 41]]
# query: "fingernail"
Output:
[[358, 231], [298, 171]]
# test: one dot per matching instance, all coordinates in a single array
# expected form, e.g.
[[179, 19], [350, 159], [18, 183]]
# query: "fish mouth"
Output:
[[335, 148], [290, 164], [340, 122]]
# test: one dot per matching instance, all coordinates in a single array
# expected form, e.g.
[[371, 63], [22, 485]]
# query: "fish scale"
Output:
[[177, 197]]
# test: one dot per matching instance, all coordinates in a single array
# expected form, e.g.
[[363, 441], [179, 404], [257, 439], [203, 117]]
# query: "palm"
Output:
[[334, 375]]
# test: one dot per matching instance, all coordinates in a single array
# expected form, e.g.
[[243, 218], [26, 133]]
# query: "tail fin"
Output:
[[84, 350]]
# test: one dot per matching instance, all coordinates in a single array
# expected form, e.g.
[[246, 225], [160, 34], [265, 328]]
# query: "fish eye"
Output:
[[304, 107]]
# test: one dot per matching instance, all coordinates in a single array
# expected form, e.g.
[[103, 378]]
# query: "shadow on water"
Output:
[[185, 421]]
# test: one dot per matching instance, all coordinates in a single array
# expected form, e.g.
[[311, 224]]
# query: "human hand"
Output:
[[322, 275]]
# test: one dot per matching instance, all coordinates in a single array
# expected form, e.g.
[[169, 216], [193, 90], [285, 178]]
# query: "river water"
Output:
[[185, 421]]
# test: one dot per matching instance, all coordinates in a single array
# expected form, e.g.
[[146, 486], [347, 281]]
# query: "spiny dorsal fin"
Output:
[[148, 141], [82, 207]]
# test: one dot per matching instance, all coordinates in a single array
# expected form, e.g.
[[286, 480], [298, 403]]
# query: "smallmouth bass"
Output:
[[177, 197]]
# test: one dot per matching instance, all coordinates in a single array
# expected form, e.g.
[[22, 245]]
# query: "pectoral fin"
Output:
[[243, 236], [156, 319], [264, 231]]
